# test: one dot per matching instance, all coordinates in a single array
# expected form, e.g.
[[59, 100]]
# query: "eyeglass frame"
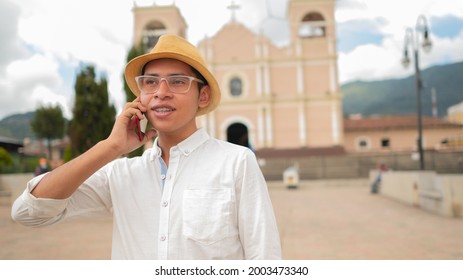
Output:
[[190, 78]]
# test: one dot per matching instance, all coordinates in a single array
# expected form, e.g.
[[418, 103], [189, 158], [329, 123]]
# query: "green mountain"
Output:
[[398, 96], [17, 126]]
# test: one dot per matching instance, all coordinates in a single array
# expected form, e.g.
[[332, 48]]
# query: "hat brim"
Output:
[[134, 68]]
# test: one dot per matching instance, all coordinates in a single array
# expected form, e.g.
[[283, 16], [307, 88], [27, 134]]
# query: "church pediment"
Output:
[[235, 42]]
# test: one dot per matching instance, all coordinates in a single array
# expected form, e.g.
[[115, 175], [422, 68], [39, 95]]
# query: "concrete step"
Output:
[[339, 183]]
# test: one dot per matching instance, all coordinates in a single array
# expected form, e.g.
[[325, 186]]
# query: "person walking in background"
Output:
[[190, 196], [42, 167], [382, 167]]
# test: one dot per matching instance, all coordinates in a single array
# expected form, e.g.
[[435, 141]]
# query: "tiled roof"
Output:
[[394, 122], [8, 140]]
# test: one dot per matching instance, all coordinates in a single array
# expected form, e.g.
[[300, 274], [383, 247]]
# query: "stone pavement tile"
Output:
[[350, 223], [72, 240], [315, 222]]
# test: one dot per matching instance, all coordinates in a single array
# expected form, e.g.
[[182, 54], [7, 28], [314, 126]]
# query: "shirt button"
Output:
[[163, 238], [163, 176], [165, 203]]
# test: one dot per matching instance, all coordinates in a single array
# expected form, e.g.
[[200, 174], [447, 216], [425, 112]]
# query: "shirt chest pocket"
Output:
[[207, 214]]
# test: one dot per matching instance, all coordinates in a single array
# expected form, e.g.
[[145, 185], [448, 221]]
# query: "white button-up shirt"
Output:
[[214, 204]]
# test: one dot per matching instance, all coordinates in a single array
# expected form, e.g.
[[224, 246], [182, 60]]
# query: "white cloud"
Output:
[[43, 96], [74, 32], [36, 69], [370, 62], [10, 47], [77, 31], [446, 50], [30, 82], [373, 62]]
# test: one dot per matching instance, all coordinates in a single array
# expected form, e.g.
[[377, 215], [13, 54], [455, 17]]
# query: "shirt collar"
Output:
[[187, 146], [195, 140]]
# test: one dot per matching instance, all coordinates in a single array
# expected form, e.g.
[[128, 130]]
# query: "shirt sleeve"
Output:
[[91, 199], [257, 224]]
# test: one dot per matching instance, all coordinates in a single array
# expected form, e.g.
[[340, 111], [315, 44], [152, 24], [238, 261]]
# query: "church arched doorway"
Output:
[[237, 133]]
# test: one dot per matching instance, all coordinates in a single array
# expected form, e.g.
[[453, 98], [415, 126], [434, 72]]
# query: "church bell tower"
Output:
[[151, 22]]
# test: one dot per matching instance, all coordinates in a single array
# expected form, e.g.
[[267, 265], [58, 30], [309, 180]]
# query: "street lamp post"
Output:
[[411, 40]]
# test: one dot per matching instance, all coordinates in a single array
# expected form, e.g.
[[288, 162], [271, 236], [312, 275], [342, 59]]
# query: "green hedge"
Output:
[[19, 164]]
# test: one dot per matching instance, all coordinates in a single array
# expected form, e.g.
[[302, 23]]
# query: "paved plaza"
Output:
[[316, 222]]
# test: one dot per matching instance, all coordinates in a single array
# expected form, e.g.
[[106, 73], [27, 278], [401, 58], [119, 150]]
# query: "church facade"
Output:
[[272, 97]]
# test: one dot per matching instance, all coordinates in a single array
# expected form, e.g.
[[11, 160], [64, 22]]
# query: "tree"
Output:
[[5, 159], [48, 123], [133, 52], [93, 115]]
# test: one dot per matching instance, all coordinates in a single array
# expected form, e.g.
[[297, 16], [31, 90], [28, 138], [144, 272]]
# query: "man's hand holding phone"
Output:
[[131, 121]]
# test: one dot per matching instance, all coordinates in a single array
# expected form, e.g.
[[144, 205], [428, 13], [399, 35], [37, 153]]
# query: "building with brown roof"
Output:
[[397, 133]]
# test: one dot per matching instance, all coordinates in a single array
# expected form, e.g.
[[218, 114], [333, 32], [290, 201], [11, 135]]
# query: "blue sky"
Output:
[[45, 42], [359, 32], [354, 33], [446, 26]]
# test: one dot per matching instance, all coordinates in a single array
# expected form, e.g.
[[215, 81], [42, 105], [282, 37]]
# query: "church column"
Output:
[[266, 79], [300, 78], [268, 94], [335, 125], [336, 107], [259, 92], [261, 127], [301, 102], [333, 69], [263, 89], [302, 124], [209, 119], [259, 66], [298, 45], [268, 126], [333, 77]]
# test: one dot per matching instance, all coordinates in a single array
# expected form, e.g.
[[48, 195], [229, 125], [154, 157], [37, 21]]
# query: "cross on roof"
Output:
[[233, 7]]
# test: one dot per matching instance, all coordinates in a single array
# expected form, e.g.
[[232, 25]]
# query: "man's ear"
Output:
[[204, 96]]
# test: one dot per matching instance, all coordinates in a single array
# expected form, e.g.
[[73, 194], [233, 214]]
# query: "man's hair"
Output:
[[199, 76]]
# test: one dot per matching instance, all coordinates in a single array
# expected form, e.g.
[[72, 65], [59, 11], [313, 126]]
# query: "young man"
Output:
[[189, 197]]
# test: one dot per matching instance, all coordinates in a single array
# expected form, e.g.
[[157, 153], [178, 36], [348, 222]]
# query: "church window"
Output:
[[313, 25], [363, 143], [236, 87], [151, 34], [385, 143]]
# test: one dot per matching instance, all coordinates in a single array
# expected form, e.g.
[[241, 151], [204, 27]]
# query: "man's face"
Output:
[[171, 112]]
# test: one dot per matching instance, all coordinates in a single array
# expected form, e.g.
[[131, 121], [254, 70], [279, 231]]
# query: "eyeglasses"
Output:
[[176, 84]]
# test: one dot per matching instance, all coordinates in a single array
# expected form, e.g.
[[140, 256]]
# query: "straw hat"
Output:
[[173, 46]]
